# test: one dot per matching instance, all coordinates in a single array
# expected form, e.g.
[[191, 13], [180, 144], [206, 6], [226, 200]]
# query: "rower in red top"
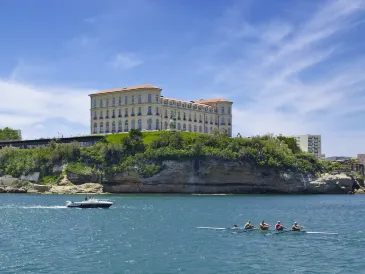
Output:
[[278, 226]]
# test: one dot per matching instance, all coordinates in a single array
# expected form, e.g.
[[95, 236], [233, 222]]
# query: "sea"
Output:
[[159, 234]]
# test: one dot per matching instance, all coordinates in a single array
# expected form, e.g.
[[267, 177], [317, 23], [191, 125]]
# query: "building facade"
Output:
[[144, 108], [361, 158], [310, 143]]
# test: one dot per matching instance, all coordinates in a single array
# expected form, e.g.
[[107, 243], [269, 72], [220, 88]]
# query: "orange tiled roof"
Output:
[[148, 86], [218, 100], [184, 101]]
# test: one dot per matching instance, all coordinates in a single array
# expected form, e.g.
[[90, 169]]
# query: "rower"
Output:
[[296, 227], [235, 227], [264, 226], [278, 226], [248, 225]]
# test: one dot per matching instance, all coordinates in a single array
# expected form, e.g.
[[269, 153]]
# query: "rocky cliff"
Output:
[[217, 177], [198, 176]]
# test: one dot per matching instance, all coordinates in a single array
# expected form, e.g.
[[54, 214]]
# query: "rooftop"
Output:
[[218, 100], [148, 86]]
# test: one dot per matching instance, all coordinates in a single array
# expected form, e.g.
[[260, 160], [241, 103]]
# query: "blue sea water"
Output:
[[158, 234]]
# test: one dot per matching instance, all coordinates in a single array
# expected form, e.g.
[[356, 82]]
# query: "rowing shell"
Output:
[[268, 231]]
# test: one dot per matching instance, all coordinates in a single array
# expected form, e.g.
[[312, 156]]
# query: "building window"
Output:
[[171, 113], [140, 124], [165, 125], [149, 98], [166, 114], [113, 113], [222, 121], [139, 111], [189, 128], [133, 124], [157, 113], [211, 120], [200, 129], [139, 99], [156, 97], [101, 127], [126, 113], [126, 127], [194, 128], [107, 127], [194, 117], [184, 117], [229, 122], [229, 110], [95, 115], [149, 124], [113, 127], [178, 126], [157, 124], [229, 132], [94, 103], [211, 130], [178, 115], [120, 128], [132, 112], [107, 102], [107, 114], [132, 99], [222, 110], [200, 118], [126, 100], [101, 114], [184, 127], [149, 110], [113, 101], [120, 113], [120, 100], [101, 103], [95, 128]]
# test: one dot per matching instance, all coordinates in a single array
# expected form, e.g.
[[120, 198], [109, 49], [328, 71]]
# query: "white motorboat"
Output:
[[90, 203]]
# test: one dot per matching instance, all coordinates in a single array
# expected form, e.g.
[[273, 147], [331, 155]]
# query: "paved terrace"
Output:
[[87, 140]]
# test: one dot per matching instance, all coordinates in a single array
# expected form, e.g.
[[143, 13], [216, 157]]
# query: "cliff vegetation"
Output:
[[143, 153]]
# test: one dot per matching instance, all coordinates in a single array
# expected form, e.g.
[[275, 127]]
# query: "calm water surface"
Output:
[[157, 234]]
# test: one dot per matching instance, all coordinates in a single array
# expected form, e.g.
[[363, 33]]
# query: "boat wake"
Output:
[[34, 207]]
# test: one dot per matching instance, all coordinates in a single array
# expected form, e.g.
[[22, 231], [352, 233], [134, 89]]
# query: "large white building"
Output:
[[144, 108], [310, 143]]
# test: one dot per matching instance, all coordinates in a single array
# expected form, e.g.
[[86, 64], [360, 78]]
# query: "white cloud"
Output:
[[293, 72], [126, 61], [30, 107]]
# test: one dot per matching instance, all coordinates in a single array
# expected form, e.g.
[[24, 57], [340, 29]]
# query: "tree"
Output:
[[291, 142], [9, 134], [133, 143]]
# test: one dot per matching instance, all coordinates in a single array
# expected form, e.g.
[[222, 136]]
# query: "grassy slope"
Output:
[[148, 137]]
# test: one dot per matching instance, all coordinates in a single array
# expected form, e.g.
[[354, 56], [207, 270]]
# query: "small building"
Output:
[[310, 143]]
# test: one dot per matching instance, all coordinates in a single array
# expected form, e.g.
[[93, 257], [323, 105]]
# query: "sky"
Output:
[[290, 67]]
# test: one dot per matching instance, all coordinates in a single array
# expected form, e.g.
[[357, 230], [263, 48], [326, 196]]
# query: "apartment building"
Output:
[[361, 158], [310, 143], [144, 108]]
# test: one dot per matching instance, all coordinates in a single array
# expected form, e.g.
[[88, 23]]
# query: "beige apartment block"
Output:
[[144, 108], [361, 158], [310, 143]]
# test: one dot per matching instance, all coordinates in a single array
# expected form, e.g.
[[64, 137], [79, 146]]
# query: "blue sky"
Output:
[[289, 66]]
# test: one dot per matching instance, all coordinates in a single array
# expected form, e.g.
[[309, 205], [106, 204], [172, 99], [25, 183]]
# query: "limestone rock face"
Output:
[[218, 177], [84, 188]]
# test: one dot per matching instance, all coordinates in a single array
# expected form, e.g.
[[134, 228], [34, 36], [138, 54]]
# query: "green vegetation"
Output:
[[144, 153], [9, 134]]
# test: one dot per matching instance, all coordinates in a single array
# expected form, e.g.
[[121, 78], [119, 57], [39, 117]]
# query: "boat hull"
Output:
[[79, 205]]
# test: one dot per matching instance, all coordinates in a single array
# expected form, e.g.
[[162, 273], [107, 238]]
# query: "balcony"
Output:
[[211, 123], [189, 119], [149, 113], [95, 118], [166, 116], [139, 114], [101, 117], [106, 117], [120, 115], [133, 114], [157, 114], [126, 115], [195, 120], [113, 116]]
